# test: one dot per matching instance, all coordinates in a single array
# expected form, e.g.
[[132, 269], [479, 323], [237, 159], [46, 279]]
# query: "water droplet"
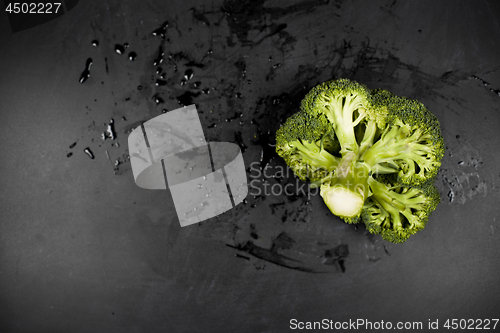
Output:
[[95, 43], [139, 87], [132, 56], [161, 31], [159, 59], [188, 74], [69, 154], [204, 177], [159, 70], [119, 49], [110, 131], [160, 83], [158, 99], [89, 153], [86, 72], [164, 111]]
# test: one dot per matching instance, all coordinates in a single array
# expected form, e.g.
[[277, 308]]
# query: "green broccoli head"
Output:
[[373, 154]]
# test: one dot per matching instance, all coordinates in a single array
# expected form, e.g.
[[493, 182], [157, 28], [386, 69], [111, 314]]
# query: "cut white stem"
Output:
[[342, 201]]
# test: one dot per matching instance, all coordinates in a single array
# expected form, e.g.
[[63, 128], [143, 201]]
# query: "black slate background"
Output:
[[83, 249]]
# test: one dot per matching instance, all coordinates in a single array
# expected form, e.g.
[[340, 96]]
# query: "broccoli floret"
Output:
[[373, 154], [411, 142], [304, 143], [398, 211]]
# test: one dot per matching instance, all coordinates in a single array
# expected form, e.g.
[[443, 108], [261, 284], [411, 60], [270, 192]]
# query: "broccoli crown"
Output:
[[374, 154]]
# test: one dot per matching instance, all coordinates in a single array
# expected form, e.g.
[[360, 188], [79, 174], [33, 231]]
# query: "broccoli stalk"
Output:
[[347, 190]]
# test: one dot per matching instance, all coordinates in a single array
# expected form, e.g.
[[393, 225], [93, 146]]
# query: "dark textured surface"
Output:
[[83, 249]]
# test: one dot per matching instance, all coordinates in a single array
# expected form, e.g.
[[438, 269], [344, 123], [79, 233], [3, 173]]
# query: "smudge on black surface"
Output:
[[336, 256], [272, 257], [187, 98], [253, 232], [199, 16], [268, 149], [237, 115], [274, 206], [240, 256], [282, 242], [238, 139], [246, 15]]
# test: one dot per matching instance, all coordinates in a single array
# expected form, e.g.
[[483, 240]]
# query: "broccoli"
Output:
[[373, 154]]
